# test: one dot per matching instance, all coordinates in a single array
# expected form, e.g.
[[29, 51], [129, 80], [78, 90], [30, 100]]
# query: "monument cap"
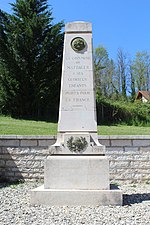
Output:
[[78, 26]]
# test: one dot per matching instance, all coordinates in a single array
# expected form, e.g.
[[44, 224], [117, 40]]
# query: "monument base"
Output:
[[62, 197], [89, 172], [71, 180]]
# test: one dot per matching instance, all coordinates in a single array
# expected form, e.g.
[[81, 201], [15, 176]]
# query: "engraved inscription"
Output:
[[77, 79], [77, 84], [78, 67], [79, 58]]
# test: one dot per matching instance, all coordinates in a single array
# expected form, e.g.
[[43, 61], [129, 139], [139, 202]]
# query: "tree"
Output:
[[104, 72], [121, 70], [30, 54], [141, 70], [100, 61], [132, 82]]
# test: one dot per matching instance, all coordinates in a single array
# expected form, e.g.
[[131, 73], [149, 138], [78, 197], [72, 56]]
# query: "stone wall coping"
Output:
[[28, 137], [124, 137], [52, 137]]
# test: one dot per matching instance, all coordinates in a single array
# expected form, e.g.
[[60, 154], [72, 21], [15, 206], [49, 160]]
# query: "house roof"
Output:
[[145, 94]]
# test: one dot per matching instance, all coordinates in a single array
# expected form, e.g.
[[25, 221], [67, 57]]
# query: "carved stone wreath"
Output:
[[77, 145], [78, 44]]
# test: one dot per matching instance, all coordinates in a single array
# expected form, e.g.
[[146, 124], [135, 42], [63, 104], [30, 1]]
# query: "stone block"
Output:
[[22, 174], [33, 164], [9, 143], [142, 157], [18, 151], [123, 174], [119, 164], [45, 151], [144, 150], [40, 157], [105, 142], [25, 143], [2, 162], [76, 172], [10, 174], [46, 142], [141, 142], [10, 163], [131, 150], [121, 143], [121, 157], [114, 150], [140, 164], [6, 156], [69, 197], [123, 164]]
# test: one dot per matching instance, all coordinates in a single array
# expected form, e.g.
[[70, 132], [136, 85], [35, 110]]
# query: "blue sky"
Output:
[[116, 24]]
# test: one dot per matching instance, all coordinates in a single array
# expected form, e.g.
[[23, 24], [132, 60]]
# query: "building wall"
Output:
[[144, 100], [22, 157]]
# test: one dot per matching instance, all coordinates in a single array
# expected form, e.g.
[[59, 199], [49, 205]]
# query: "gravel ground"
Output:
[[15, 208]]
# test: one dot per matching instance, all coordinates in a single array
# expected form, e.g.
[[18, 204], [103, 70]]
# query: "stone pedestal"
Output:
[[76, 180], [77, 172]]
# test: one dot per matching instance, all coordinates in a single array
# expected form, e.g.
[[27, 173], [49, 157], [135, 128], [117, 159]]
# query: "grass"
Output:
[[26, 127], [10, 126], [123, 130]]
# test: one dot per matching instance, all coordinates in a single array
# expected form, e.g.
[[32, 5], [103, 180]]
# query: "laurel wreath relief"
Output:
[[77, 144]]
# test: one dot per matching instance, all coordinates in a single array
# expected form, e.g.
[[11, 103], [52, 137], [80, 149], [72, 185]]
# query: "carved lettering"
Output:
[[77, 85], [78, 67], [77, 79], [81, 99], [78, 58], [77, 93], [77, 100]]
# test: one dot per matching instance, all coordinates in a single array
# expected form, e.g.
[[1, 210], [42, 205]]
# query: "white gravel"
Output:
[[15, 208]]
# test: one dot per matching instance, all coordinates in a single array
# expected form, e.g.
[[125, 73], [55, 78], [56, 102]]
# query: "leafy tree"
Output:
[[132, 82], [104, 72], [30, 54], [121, 70], [100, 61], [141, 70]]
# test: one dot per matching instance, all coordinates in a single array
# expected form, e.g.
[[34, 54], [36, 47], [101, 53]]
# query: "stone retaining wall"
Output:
[[22, 157]]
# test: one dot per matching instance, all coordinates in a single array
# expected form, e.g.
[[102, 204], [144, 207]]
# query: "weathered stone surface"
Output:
[[121, 143], [46, 142], [77, 172], [79, 26], [25, 143], [19, 155], [67, 197], [105, 142], [141, 142], [7, 142], [77, 100]]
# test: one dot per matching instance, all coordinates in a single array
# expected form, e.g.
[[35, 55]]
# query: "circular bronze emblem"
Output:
[[78, 44]]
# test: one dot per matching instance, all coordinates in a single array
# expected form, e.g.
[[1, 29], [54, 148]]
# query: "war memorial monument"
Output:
[[77, 171]]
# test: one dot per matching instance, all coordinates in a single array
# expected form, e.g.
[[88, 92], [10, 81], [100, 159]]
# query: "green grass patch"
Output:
[[10, 126], [26, 127], [123, 130]]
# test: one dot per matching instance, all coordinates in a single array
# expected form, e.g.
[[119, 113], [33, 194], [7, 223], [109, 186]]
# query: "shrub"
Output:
[[123, 112]]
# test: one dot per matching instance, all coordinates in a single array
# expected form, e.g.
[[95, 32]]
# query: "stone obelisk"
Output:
[[77, 111]]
